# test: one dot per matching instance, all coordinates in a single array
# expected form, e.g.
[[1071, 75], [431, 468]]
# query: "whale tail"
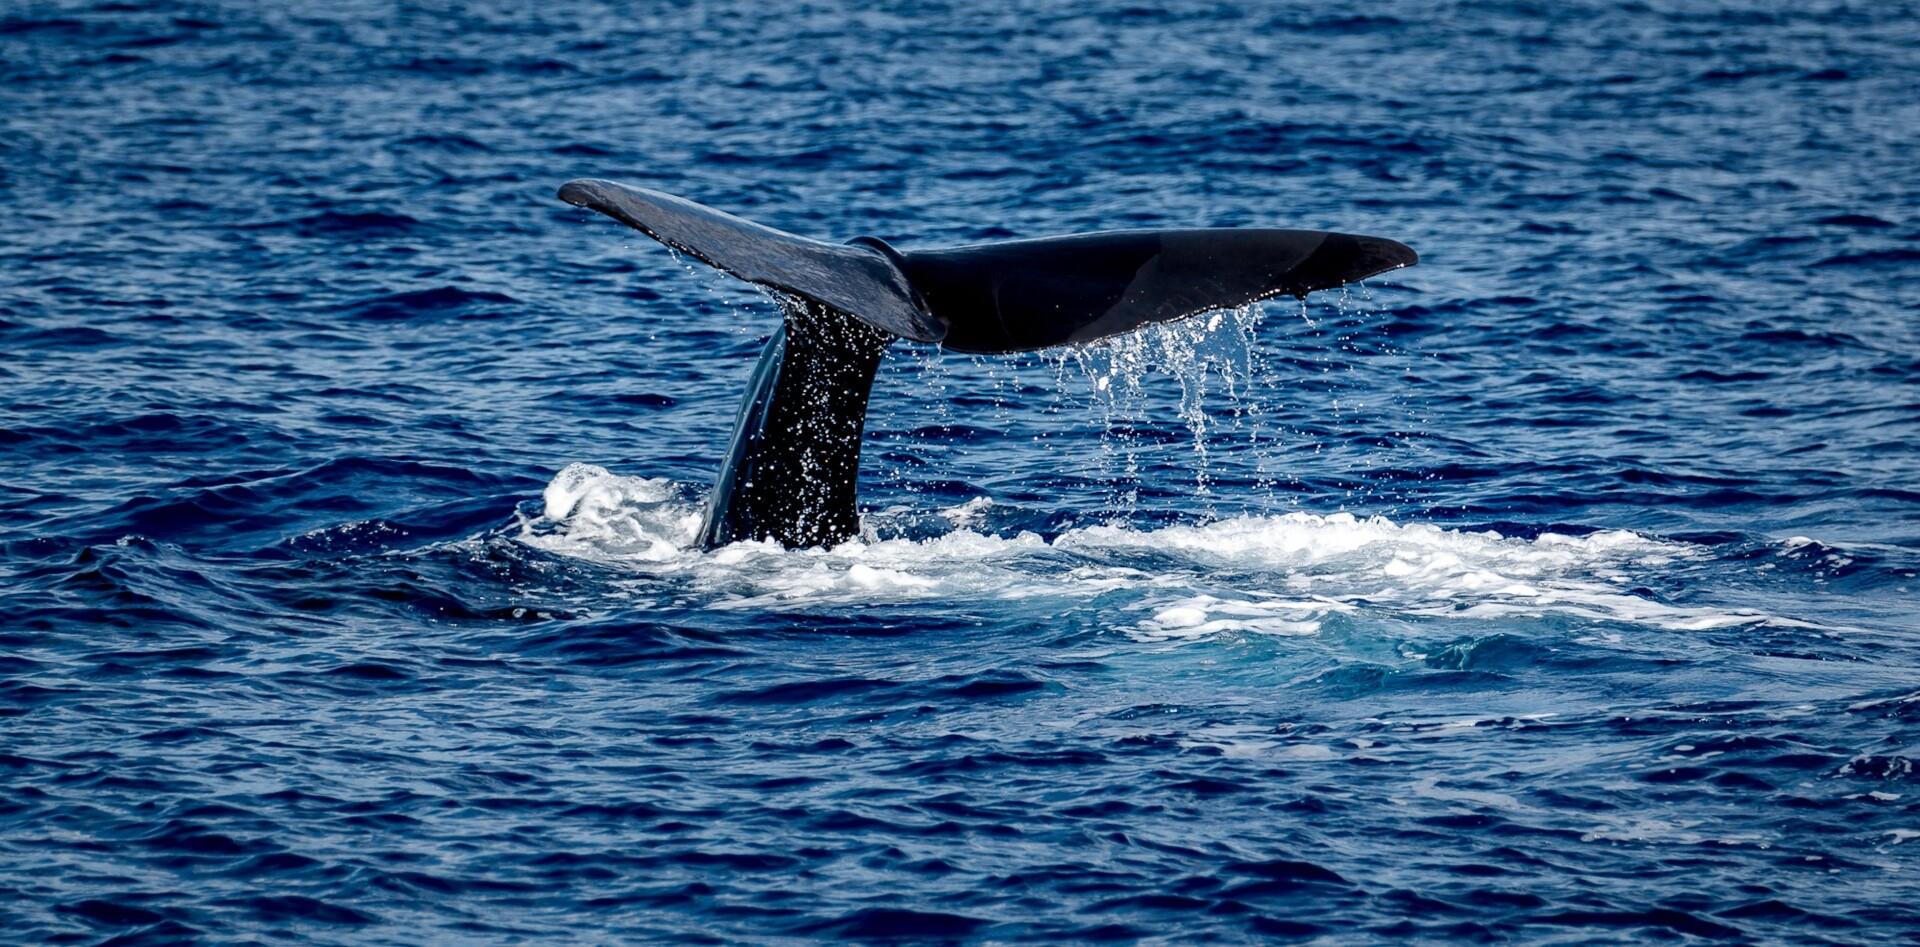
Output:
[[1013, 296], [792, 469]]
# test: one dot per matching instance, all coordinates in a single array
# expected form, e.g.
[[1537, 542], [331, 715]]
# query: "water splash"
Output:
[[1285, 574], [1260, 388]]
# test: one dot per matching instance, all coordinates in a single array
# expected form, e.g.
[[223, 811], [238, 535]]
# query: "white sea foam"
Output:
[[601, 515], [1266, 575]]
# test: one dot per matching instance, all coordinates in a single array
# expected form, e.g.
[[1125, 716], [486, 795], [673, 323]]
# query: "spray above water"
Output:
[[1259, 395]]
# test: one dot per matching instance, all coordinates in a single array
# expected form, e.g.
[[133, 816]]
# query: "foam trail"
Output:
[[1270, 575]]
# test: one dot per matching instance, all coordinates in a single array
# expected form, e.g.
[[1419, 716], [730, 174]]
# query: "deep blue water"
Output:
[[1561, 588]]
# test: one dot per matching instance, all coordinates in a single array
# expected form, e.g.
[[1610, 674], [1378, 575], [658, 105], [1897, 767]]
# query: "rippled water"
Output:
[[1561, 588]]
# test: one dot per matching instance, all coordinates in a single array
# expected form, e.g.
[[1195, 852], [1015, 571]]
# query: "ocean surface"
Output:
[[1559, 589]]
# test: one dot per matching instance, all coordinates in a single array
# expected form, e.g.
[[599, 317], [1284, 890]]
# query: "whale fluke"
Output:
[[793, 465]]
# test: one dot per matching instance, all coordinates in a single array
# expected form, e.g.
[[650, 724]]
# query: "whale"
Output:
[[792, 468]]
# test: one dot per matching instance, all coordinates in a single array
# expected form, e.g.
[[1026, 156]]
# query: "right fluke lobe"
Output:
[[1031, 294]]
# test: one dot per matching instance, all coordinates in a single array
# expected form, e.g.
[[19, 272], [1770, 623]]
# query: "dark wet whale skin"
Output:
[[792, 468]]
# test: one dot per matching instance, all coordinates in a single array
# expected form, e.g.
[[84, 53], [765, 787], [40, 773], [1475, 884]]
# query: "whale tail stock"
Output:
[[793, 465]]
